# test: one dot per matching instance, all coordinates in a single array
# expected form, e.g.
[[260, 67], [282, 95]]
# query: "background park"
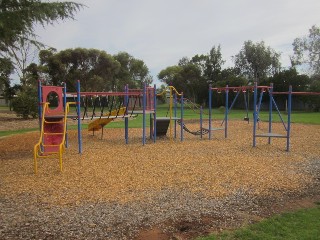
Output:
[[166, 190]]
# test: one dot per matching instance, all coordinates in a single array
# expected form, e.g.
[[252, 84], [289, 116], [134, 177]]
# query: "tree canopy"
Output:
[[17, 21], [255, 61], [132, 71], [192, 76], [94, 68], [17, 17], [307, 50], [97, 70]]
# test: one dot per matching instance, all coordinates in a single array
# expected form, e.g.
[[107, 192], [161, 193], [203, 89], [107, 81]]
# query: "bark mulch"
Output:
[[113, 190]]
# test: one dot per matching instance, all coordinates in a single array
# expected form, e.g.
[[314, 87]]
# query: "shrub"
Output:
[[25, 104], [222, 109]]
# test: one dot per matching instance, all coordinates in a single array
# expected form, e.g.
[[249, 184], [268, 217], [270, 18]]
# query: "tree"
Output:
[[18, 17], [307, 50], [20, 56], [132, 71], [186, 78], [94, 68], [283, 80], [210, 64], [6, 68], [25, 104], [172, 76], [192, 76], [17, 21], [315, 87], [10, 92], [255, 61]]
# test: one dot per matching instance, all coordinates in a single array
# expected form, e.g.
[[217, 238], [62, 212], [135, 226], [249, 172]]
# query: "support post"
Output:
[[155, 114], [289, 117], [255, 117], [144, 99], [65, 105], [126, 120], [181, 120], [170, 113], [201, 121], [79, 117], [270, 110], [210, 110], [226, 113], [40, 103], [175, 115]]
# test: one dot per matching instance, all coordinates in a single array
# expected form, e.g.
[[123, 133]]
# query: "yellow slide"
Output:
[[101, 122]]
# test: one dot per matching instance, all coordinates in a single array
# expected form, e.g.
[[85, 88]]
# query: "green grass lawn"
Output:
[[217, 114], [301, 224]]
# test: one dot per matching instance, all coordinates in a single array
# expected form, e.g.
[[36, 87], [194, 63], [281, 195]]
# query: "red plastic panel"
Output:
[[46, 90]]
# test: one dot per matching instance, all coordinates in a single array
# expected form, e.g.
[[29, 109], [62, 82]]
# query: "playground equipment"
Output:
[[272, 103], [165, 122], [53, 119], [257, 105], [53, 124], [242, 89]]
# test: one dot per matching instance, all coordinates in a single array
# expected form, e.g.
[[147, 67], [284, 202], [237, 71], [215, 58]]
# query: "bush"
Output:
[[222, 109], [25, 104]]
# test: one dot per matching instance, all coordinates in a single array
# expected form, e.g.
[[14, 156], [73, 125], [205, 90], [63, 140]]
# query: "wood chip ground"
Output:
[[113, 189]]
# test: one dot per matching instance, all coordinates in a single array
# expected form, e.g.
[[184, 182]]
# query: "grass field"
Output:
[[301, 224], [217, 114]]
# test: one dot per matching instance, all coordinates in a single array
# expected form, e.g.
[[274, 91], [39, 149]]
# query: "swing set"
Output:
[[257, 91]]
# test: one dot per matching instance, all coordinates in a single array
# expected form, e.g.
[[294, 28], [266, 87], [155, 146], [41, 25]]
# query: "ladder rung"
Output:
[[46, 154], [54, 122], [45, 145], [53, 133]]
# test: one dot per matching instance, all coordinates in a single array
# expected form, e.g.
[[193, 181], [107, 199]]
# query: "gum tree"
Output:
[[256, 61], [307, 50]]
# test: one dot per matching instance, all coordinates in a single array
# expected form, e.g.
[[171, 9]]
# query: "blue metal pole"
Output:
[[289, 117], [260, 101], [201, 121], [65, 105], [255, 96], [40, 103], [155, 113], [231, 106], [182, 109], [40, 109], [126, 120], [210, 109], [175, 115], [79, 117], [226, 113], [270, 111], [144, 115]]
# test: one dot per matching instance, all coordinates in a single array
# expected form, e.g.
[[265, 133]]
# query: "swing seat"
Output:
[[246, 119]]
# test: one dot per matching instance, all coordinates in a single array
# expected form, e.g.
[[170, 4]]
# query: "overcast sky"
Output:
[[160, 32]]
